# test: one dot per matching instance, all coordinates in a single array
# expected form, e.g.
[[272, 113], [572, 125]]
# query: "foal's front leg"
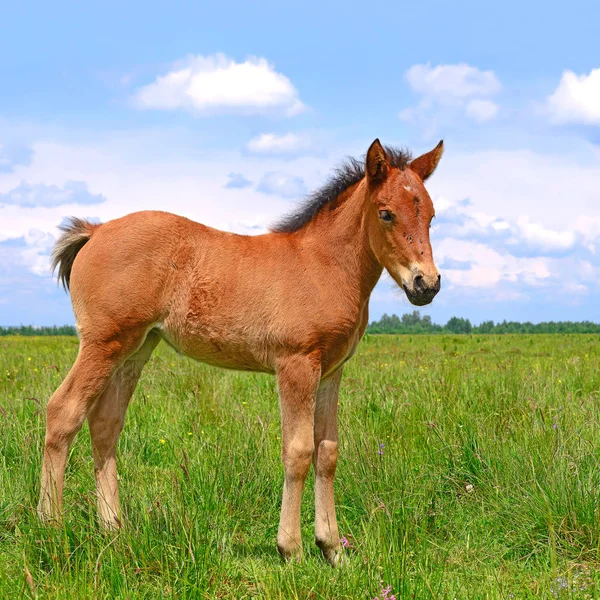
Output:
[[325, 461], [297, 381]]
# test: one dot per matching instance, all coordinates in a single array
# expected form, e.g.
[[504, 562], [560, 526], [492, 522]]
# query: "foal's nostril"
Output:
[[419, 283], [438, 284]]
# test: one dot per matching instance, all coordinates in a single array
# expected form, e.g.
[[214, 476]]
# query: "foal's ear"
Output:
[[425, 164], [377, 162]]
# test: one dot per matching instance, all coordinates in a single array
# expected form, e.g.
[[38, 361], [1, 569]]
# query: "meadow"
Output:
[[469, 468]]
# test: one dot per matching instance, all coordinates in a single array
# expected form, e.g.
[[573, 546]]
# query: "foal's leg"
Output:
[[67, 410], [106, 419], [297, 380], [325, 460]]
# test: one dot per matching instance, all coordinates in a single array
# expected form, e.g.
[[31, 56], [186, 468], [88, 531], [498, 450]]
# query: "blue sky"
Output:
[[229, 113]]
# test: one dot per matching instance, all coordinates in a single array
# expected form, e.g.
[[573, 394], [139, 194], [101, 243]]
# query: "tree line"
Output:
[[408, 323], [29, 330], [415, 323]]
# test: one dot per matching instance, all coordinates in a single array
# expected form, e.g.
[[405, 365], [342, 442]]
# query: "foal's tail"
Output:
[[77, 233]]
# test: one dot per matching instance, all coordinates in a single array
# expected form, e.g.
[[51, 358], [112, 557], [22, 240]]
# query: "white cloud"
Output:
[[543, 239], [271, 143], [29, 252], [282, 184], [459, 81], [556, 190], [489, 268], [37, 253], [519, 237], [12, 157], [481, 110], [576, 99], [589, 226], [448, 90], [206, 85], [27, 195], [513, 222], [237, 181]]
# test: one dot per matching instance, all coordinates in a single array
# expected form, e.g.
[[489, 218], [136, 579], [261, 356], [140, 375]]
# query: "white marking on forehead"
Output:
[[408, 188]]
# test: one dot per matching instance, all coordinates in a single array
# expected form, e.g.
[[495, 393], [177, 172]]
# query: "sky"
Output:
[[230, 113]]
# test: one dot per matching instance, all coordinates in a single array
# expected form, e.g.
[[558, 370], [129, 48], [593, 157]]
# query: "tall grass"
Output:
[[487, 484]]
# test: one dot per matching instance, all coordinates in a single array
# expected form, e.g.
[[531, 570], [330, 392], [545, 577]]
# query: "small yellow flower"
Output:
[[203, 431], [190, 433], [162, 441], [244, 403], [29, 358]]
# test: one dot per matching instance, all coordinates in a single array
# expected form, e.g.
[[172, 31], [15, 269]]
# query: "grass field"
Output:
[[488, 485]]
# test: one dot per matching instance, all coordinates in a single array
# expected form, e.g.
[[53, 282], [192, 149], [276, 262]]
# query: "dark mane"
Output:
[[350, 172]]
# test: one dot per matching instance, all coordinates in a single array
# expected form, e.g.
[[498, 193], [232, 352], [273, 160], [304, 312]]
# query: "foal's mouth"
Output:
[[423, 297], [419, 299]]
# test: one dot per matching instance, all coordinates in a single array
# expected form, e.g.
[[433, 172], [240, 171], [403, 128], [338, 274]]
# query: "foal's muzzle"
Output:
[[422, 292]]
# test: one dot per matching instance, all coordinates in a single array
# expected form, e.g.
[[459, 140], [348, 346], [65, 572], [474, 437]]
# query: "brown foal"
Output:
[[293, 302]]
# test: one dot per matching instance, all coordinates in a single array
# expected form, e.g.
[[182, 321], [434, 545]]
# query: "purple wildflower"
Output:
[[344, 542], [385, 594], [380, 451]]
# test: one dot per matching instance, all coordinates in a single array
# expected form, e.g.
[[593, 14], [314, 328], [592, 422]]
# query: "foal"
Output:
[[292, 302]]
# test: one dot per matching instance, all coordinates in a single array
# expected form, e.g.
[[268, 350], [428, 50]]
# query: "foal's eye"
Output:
[[385, 216]]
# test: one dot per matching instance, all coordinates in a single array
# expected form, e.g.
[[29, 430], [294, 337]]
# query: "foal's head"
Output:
[[399, 216]]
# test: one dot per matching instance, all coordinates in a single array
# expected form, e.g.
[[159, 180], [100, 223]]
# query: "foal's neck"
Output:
[[339, 232]]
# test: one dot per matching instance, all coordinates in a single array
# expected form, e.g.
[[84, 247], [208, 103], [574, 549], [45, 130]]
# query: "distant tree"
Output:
[[458, 325], [411, 319], [485, 327]]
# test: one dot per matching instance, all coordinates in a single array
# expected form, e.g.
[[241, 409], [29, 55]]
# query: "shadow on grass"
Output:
[[260, 551]]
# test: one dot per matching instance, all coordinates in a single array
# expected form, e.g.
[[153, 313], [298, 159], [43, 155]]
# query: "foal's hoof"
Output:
[[108, 518], [290, 553], [48, 511], [47, 516], [110, 524], [332, 555]]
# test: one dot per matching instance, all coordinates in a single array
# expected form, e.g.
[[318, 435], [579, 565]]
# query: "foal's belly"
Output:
[[250, 344], [242, 357], [218, 351]]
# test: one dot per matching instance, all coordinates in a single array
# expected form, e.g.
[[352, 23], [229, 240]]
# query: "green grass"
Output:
[[515, 417]]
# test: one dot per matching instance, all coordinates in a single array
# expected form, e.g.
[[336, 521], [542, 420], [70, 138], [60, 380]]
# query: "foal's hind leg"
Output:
[[66, 412], [67, 409], [106, 419]]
